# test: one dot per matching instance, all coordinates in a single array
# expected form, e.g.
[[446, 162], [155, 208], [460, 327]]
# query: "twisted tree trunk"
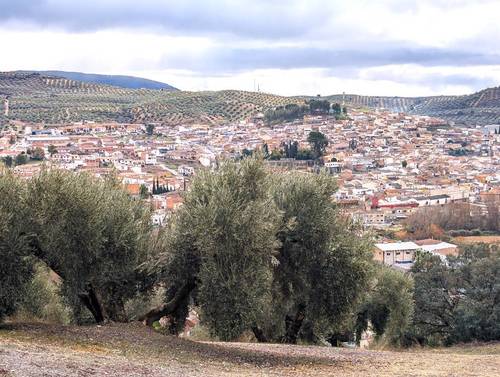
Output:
[[178, 297], [293, 325], [259, 334], [93, 302], [116, 310]]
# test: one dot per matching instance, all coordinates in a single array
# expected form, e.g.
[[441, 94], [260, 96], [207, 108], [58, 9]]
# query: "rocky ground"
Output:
[[134, 350]]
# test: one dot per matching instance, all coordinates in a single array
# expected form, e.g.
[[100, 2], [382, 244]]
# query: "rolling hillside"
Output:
[[482, 107], [39, 97]]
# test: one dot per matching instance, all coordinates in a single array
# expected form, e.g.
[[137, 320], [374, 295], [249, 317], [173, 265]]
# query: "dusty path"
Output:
[[134, 350]]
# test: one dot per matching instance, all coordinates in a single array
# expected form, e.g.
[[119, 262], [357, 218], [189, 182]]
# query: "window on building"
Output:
[[408, 252], [398, 253], [388, 254]]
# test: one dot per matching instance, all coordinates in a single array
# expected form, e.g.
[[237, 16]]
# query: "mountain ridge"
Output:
[[121, 81]]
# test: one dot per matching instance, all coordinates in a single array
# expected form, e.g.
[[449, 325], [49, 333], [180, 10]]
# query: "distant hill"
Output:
[[41, 97], [481, 108], [128, 82], [37, 97]]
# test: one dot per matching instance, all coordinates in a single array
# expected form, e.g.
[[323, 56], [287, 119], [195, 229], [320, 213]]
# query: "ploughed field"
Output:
[[135, 350]]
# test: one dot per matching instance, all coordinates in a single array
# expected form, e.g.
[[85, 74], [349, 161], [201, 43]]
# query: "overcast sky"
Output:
[[386, 47]]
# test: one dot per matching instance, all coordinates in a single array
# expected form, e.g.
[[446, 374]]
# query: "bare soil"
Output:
[[30, 350]]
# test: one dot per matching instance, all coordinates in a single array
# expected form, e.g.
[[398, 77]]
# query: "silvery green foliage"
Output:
[[15, 266], [257, 246], [323, 258], [388, 305], [92, 234], [232, 222]]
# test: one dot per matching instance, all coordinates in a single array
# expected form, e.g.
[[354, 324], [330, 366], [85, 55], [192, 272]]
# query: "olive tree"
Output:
[[15, 266], [388, 305], [219, 249], [93, 235], [322, 260], [457, 300], [261, 252]]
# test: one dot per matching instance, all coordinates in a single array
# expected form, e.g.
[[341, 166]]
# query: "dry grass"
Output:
[[134, 350]]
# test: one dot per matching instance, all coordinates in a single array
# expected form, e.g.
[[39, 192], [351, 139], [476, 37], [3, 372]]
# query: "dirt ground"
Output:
[[30, 350]]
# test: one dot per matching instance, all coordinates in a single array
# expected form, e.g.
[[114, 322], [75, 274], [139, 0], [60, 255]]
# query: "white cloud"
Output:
[[431, 23], [108, 51]]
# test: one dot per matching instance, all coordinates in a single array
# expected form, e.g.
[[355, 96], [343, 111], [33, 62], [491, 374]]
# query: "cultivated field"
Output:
[[134, 350], [482, 107], [37, 98]]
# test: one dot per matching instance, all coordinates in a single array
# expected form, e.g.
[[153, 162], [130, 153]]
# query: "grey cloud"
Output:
[[347, 47], [246, 18], [239, 59], [436, 81]]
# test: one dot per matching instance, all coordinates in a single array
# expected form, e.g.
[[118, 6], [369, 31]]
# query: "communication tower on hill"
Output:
[[256, 86]]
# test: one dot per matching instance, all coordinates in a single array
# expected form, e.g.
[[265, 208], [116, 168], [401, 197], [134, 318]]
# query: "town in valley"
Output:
[[219, 188], [387, 165]]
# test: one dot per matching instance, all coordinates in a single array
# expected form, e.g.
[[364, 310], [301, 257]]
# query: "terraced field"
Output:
[[38, 98]]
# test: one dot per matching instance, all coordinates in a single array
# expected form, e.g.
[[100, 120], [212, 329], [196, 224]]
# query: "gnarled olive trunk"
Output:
[[102, 310], [293, 325], [259, 334], [115, 310], [176, 298], [93, 302]]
